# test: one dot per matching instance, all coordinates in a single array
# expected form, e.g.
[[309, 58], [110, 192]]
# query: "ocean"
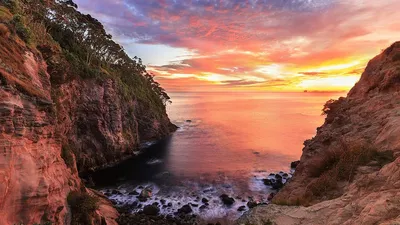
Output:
[[226, 143]]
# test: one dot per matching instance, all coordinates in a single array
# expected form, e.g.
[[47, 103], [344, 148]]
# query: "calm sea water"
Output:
[[226, 143]]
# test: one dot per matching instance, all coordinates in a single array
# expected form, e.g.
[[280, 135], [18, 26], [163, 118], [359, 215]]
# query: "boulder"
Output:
[[133, 193], [294, 164], [186, 209], [145, 194], [241, 208], [267, 182], [251, 204], [151, 210], [226, 199]]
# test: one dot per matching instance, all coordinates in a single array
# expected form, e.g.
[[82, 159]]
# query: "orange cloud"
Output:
[[253, 45]]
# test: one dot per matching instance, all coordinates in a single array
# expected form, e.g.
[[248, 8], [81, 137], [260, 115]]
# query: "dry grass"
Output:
[[4, 31], [82, 206], [341, 165], [39, 34], [22, 86], [5, 14]]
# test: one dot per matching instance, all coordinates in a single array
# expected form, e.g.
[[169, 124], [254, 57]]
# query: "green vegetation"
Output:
[[341, 165], [94, 54], [82, 207], [67, 155], [89, 50], [23, 32]]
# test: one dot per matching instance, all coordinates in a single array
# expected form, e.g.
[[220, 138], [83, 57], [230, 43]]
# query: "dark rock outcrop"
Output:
[[226, 199]]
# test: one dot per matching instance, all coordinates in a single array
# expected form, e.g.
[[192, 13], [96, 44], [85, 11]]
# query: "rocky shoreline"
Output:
[[149, 208]]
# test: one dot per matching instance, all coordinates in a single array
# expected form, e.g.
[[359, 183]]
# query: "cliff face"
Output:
[[55, 123], [100, 127], [349, 172], [34, 180]]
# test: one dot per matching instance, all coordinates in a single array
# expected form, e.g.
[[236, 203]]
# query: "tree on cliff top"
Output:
[[91, 50]]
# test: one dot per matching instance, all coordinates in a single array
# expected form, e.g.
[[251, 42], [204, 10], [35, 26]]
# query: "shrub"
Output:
[[325, 163], [22, 31], [82, 207], [341, 165], [326, 182], [67, 155]]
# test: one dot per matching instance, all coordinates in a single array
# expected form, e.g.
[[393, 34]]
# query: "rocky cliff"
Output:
[[349, 172], [56, 122]]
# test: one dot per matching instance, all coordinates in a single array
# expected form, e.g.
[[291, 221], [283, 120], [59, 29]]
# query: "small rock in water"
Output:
[[267, 182], [277, 176], [226, 199], [169, 204], [151, 210], [241, 208], [271, 174], [162, 201], [251, 204], [294, 164], [208, 190], [227, 186], [204, 200], [194, 205], [203, 207], [285, 175], [145, 194], [186, 209], [277, 184], [133, 193], [115, 192]]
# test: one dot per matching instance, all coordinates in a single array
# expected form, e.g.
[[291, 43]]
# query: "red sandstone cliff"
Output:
[[54, 124]]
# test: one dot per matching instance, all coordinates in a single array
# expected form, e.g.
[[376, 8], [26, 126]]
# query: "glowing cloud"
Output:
[[251, 45]]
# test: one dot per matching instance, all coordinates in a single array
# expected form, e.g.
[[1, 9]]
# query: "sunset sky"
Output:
[[271, 45]]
